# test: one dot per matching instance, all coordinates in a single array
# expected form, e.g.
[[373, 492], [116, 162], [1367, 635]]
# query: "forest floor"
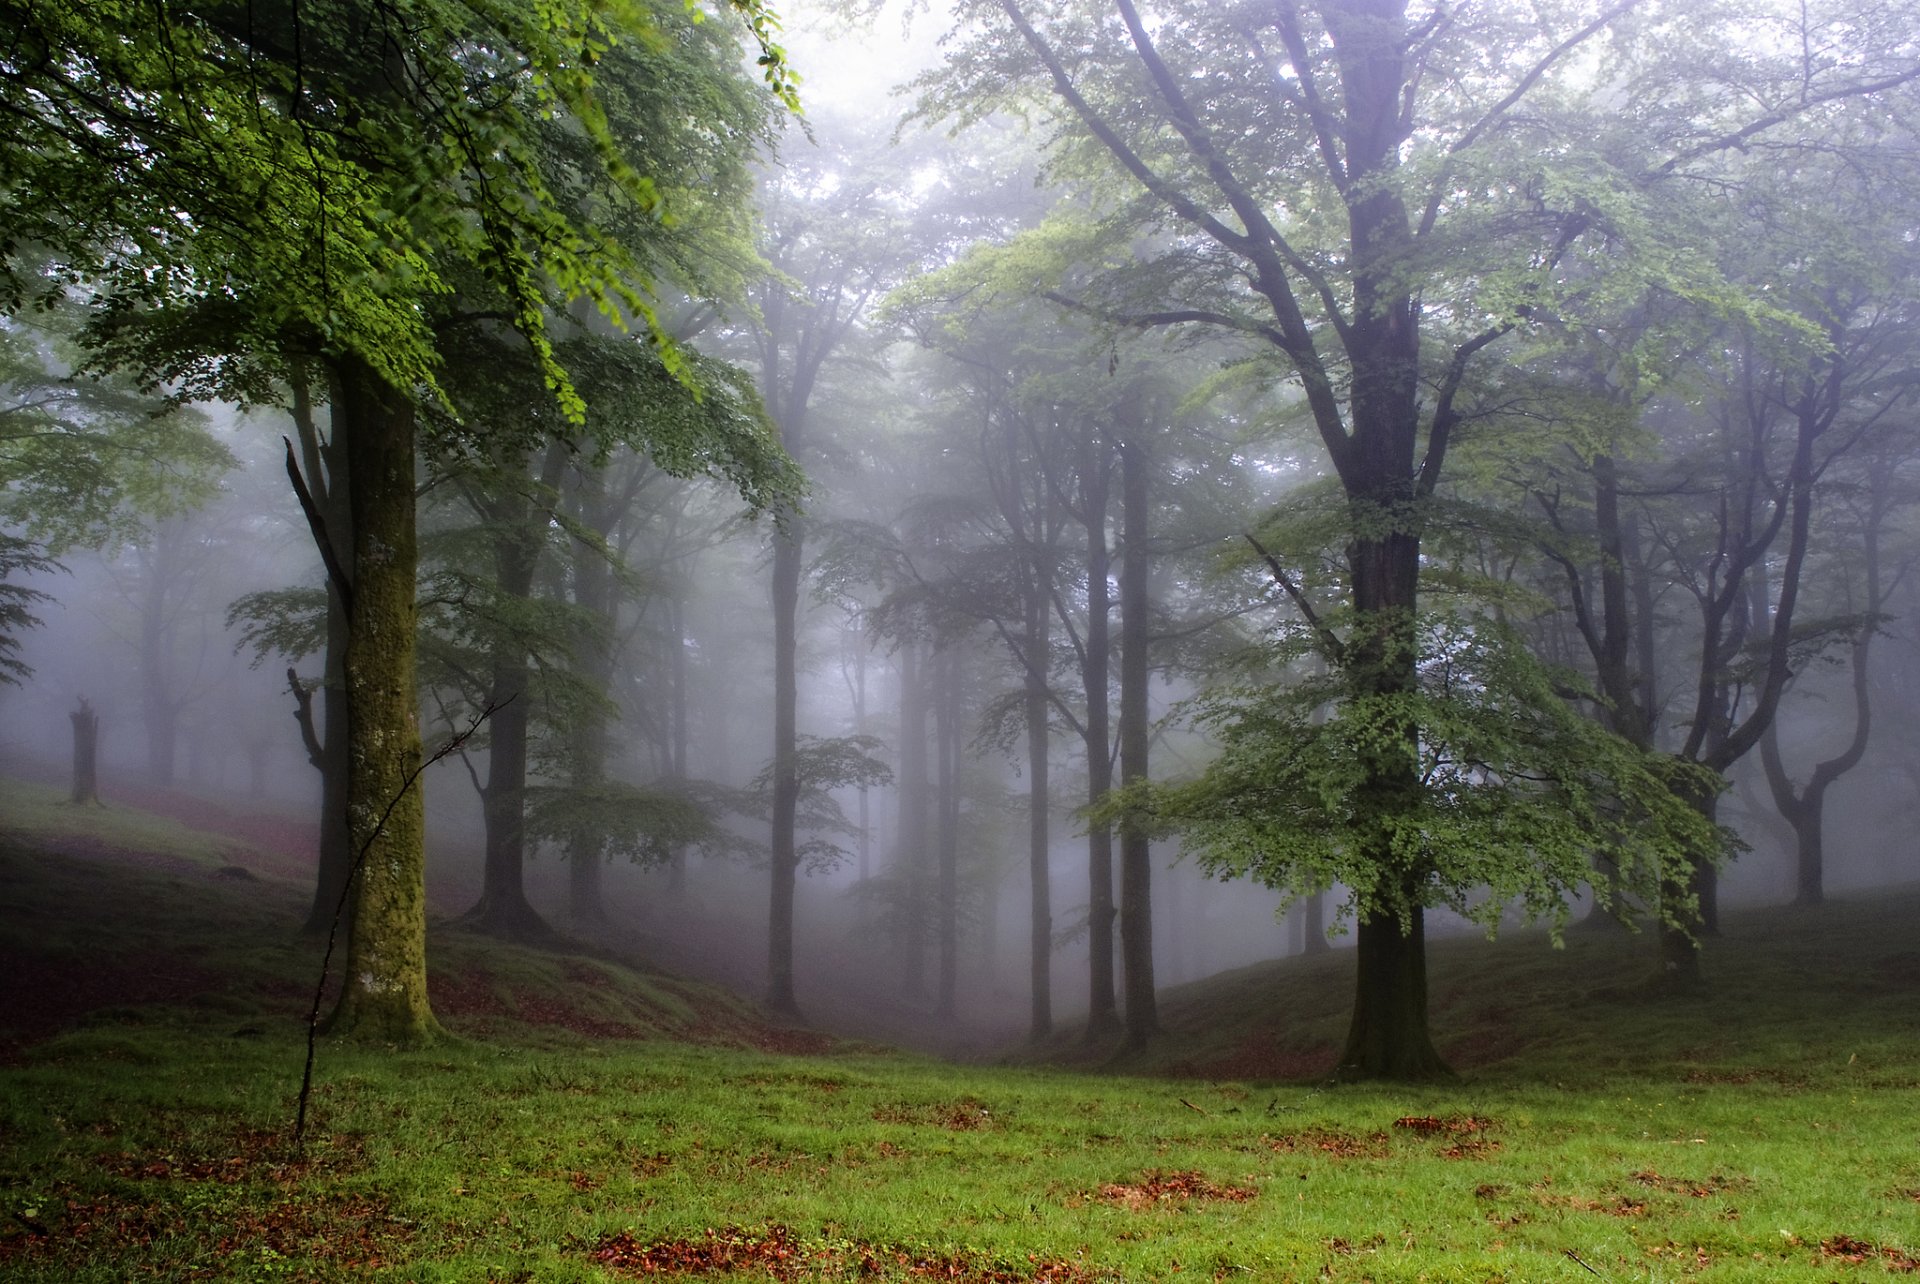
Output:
[[590, 1122]]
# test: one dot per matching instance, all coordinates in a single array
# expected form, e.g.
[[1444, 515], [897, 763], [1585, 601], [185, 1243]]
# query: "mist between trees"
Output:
[[950, 568]]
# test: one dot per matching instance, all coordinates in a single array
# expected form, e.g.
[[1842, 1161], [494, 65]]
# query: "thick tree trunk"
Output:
[[86, 755], [1313, 925], [385, 992], [1136, 850], [1390, 1003], [787, 551], [1040, 939]]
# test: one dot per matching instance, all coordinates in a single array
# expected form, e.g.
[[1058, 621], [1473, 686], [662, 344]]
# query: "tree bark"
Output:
[[385, 992], [1103, 1014], [911, 856], [593, 596], [1390, 1000], [516, 528], [946, 735], [86, 755], [325, 466], [1136, 849], [1039, 612], [787, 551]]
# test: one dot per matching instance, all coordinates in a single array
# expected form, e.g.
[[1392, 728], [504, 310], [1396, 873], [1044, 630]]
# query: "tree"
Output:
[[236, 193], [1371, 218]]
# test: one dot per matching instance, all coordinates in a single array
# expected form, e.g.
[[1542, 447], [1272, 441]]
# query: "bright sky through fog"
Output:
[[850, 68]]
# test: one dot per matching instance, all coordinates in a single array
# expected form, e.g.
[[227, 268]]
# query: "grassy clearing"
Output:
[[1767, 1131]]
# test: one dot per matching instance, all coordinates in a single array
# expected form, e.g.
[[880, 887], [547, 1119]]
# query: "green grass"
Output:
[[1766, 1130]]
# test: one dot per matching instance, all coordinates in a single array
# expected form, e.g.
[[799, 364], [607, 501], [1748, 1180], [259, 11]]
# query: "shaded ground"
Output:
[[96, 930]]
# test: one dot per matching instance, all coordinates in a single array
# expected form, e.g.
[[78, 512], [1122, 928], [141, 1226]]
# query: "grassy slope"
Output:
[[1767, 1131]]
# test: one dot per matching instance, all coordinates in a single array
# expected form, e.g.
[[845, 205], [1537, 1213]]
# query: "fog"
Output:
[[972, 553]]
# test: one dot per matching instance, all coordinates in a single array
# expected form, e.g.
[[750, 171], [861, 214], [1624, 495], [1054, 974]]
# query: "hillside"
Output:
[[594, 1122]]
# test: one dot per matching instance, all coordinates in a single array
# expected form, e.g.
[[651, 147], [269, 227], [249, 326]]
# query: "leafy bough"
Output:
[[1507, 792]]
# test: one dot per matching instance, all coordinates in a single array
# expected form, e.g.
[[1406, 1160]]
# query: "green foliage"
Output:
[[821, 765], [288, 622], [645, 825], [18, 557], [86, 461], [1510, 792], [317, 177]]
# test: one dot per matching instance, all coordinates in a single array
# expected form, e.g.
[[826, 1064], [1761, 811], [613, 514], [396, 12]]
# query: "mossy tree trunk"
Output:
[[384, 996]]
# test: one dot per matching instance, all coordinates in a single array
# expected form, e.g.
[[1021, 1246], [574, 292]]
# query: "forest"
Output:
[[965, 640]]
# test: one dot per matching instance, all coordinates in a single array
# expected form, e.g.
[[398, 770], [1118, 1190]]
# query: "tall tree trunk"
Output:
[[910, 861], [1136, 849], [159, 702], [517, 528], [787, 551], [678, 728], [1039, 641], [1807, 811], [325, 465], [384, 996], [86, 755], [593, 597], [946, 735], [1103, 1017]]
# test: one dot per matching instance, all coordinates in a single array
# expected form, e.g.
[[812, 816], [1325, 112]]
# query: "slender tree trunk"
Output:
[[86, 755], [787, 552], [677, 726], [1136, 850], [1103, 1017], [159, 703], [946, 735], [1806, 811], [385, 992], [592, 659], [517, 535], [911, 858], [325, 465], [1040, 942]]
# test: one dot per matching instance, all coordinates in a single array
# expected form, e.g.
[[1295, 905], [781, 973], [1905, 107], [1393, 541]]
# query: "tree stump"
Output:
[[86, 740]]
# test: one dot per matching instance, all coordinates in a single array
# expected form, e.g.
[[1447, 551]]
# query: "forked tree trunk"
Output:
[[384, 995]]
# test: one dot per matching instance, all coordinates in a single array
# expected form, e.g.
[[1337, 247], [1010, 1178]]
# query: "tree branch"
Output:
[[1336, 650]]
